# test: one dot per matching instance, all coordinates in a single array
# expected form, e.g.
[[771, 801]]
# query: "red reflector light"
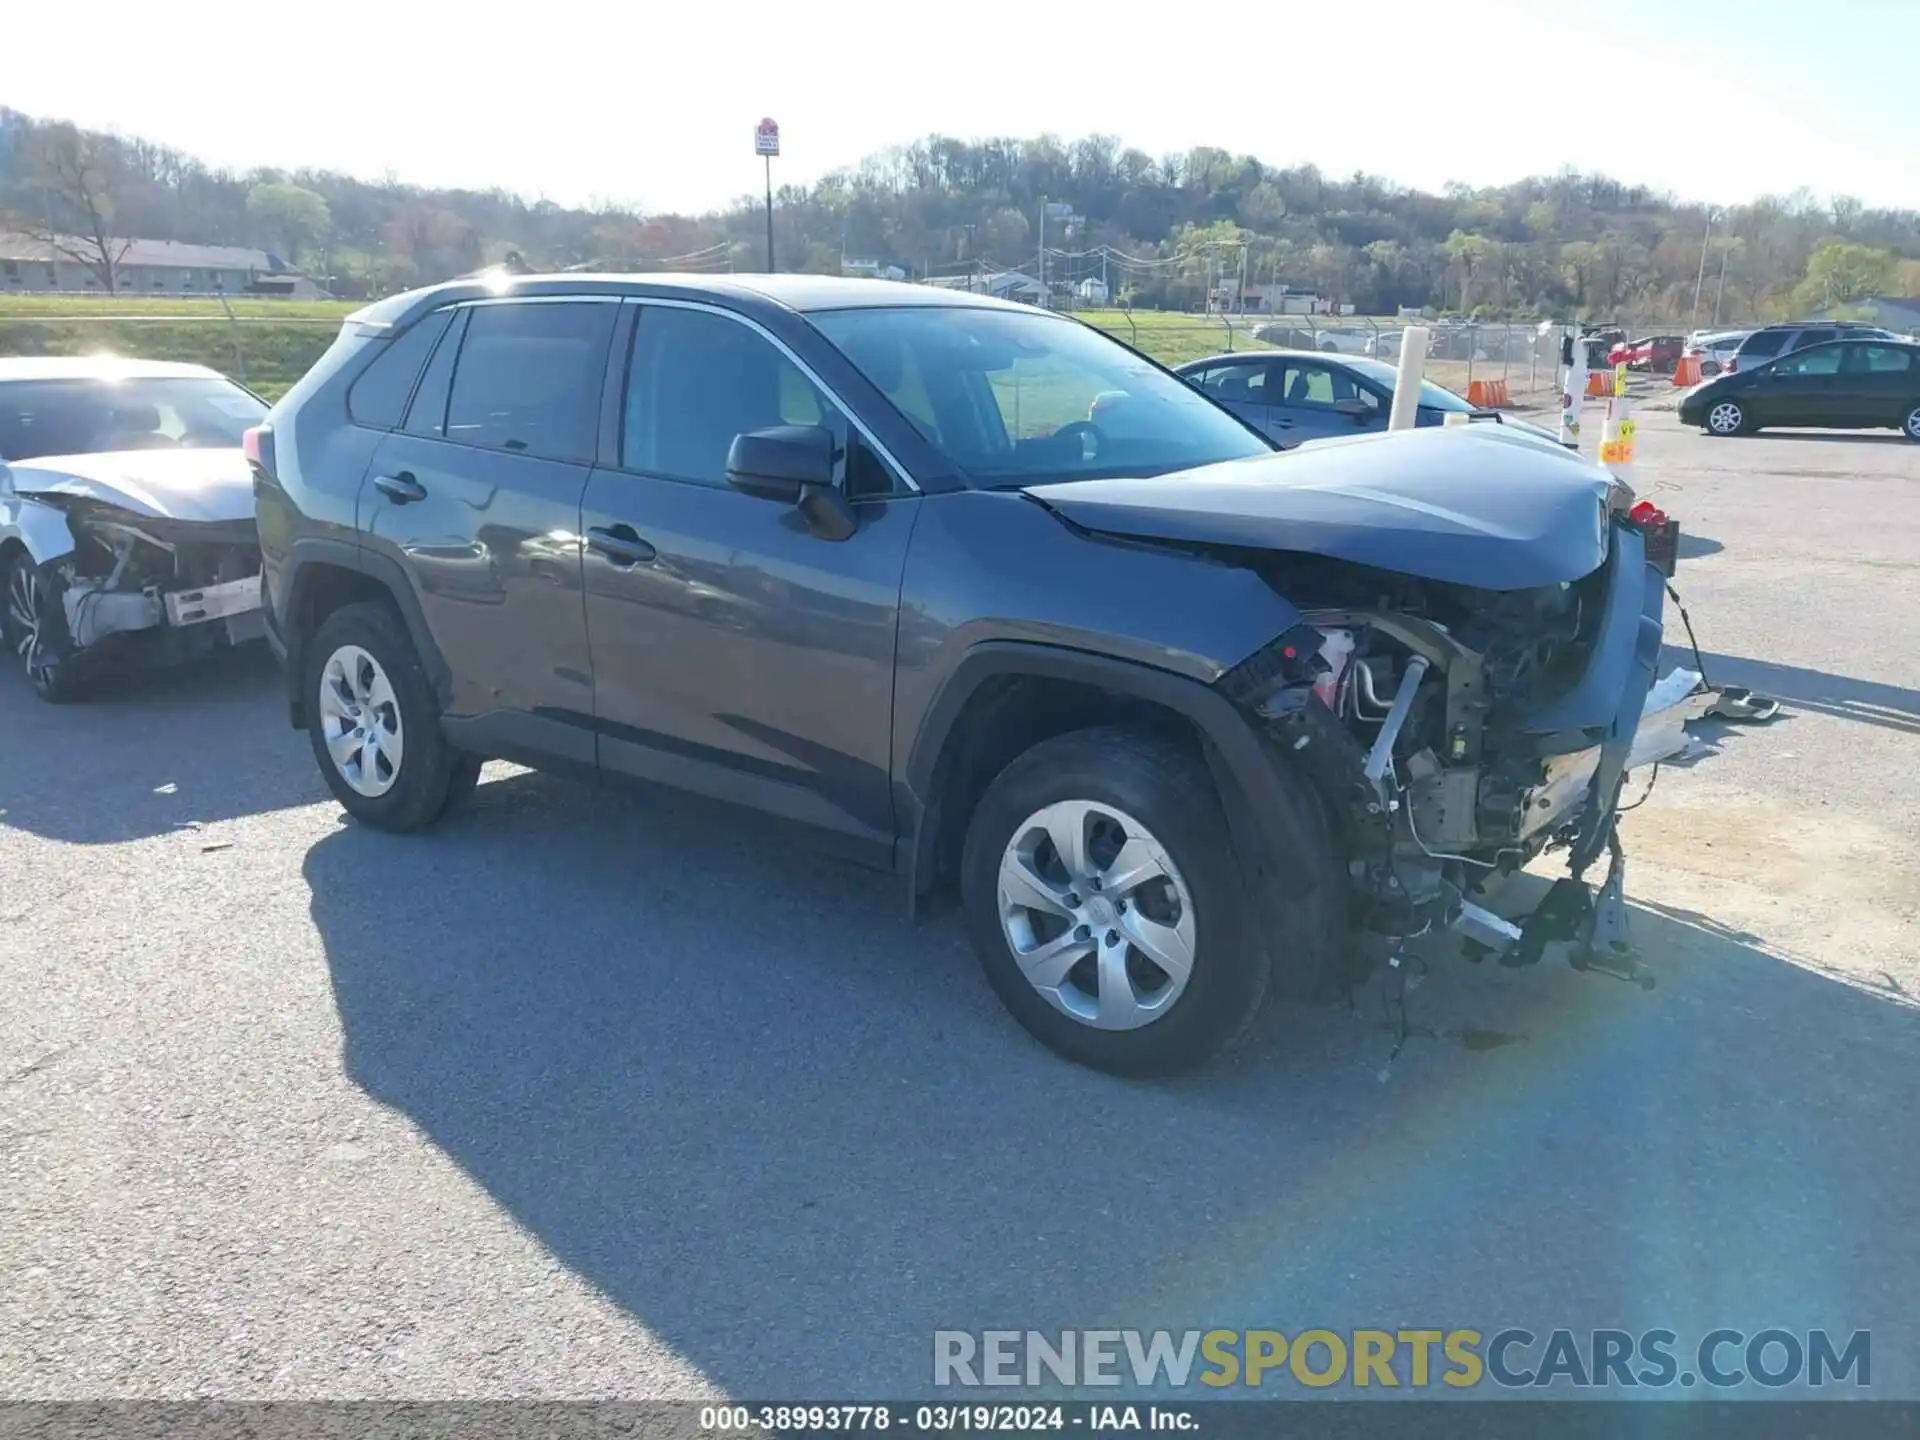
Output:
[[250, 445], [1647, 514]]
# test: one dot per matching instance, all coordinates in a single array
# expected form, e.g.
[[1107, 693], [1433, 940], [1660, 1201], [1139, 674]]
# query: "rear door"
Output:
[[477, 500], [1241, 386], [1882, 383]]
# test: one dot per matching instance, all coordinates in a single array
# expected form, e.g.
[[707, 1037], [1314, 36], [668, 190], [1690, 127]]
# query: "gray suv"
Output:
[[975, 594], [1770, 342]]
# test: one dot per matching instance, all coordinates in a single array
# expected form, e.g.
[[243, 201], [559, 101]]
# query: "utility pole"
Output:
[[1700, 279], [1721, 293], [1043, 249]]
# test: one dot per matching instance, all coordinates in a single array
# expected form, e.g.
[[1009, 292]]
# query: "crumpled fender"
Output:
[[42, 528]]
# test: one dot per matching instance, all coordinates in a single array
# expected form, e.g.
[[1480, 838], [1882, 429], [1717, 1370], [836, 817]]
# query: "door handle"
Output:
[[402, 488], [619, 544]]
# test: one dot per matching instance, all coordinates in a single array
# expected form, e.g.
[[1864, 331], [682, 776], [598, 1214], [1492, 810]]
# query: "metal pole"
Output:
[[1043, 250], [769, 160], [1693, 320], [1721, 293]]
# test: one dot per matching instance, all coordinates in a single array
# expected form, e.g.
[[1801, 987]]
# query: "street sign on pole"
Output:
[[766, 144]]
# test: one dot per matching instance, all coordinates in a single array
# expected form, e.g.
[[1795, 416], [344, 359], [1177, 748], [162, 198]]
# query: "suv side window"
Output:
[[1814, 337], [427, 415], [379, 397], [1763, 343], [528, 378], [696, 379]]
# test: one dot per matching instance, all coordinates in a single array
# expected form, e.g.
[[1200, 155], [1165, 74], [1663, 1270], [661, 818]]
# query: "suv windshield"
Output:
[[89, 417], [1012, 398], [1432, 396]]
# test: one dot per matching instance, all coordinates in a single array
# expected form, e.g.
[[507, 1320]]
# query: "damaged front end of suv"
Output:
[[1471, 676]]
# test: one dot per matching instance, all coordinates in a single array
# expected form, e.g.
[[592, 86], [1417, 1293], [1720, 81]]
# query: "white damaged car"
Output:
[[127, 534]]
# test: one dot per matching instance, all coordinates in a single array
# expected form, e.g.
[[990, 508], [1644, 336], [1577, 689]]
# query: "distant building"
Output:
[[1005, 284], [153, 267], [1902, 316], [872, 270], [1262, 298], [1091, 292]]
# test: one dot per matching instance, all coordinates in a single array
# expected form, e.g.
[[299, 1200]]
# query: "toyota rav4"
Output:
[[1176, 718]]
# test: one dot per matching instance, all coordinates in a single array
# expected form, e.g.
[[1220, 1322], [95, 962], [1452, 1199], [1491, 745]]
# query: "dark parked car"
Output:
[[1770, 342], [1291, 396], [1843, 385], [1174, 715]]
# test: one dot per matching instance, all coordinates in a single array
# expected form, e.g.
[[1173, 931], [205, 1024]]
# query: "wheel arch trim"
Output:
[[306, 556]]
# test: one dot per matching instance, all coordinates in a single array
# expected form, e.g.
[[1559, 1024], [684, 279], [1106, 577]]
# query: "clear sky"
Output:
[[653, 104]]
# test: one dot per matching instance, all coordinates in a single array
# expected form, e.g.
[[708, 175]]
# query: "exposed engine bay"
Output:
[[1456, 733], [196, 582]]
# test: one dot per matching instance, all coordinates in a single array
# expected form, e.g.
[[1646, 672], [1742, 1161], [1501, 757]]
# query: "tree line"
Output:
[[1168, 232]]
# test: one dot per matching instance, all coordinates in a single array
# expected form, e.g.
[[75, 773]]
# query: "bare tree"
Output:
[[77, 170]]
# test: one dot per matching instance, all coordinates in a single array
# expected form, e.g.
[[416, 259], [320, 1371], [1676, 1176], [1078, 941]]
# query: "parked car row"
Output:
[[963, 588], [1867, 381]]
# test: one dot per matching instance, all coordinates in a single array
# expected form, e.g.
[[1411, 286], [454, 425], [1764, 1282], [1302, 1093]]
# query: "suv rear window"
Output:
[[379, 397]]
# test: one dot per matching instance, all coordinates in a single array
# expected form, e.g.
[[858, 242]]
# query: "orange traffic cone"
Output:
[[1687, 372], [1478, 393], [1500, 393], [1599, 382]]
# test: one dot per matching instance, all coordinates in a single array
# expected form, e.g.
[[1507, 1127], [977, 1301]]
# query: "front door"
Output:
[[477, 499], [1241, 386], [735, 651], [1800, 389], [1317, 401]]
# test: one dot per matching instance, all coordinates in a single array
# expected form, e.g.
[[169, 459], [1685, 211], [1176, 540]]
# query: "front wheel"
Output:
[[36, 629], [1727, 417], [1104, 900], [1910, 426], [373, 722]]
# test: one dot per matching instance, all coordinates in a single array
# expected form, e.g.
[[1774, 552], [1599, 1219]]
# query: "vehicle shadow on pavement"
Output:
[[145, 754], [727, 1083], [1891, 706]]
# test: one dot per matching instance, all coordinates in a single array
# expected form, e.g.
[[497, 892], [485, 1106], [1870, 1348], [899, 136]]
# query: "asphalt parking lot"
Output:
[[598, 1094]]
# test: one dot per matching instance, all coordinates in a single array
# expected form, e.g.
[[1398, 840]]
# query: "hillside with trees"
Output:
[[1160, 230]]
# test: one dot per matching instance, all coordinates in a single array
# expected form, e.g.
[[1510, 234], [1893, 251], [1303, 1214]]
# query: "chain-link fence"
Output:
[[1519, 356]]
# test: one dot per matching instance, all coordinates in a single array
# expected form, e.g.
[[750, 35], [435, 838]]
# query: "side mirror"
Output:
[[793, 464], [1355, 410], [778, 463]]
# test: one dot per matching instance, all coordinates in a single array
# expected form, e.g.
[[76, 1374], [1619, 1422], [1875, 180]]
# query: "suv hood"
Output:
[[192, 485], [1481, 505]]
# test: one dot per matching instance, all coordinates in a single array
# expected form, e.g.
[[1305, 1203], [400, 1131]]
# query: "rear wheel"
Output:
[[374, 724], [1104, 901], [1727, 417], [1910, 426]]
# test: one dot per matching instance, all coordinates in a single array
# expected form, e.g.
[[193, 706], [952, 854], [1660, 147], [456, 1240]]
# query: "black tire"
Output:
[[428, 767], [462, 781], [49, 667], [1167, 789], [1910, 424]]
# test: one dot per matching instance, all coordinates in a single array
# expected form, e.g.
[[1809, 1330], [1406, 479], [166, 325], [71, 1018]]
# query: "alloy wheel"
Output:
[[1098, 918], [26, 624], [360, 721], [1913, 423], [1726, 418]]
